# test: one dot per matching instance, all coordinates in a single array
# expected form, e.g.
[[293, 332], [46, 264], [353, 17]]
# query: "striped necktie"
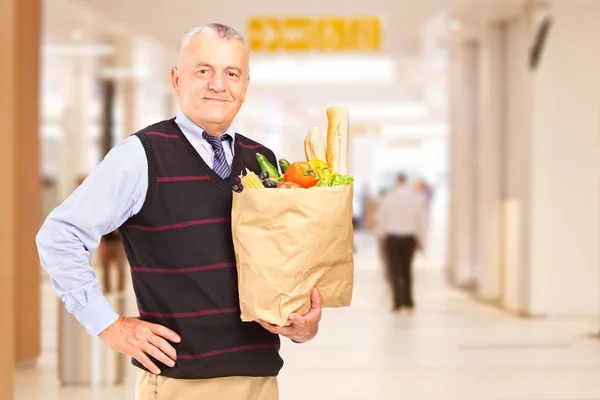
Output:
[[220, 164]]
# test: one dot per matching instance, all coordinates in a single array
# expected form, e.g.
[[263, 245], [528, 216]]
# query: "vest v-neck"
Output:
[[236, 164]]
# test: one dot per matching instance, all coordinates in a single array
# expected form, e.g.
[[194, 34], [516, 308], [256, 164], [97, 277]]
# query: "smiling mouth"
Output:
[[215, 100]]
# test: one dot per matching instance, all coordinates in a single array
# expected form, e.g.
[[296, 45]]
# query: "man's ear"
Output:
[[175, 79]]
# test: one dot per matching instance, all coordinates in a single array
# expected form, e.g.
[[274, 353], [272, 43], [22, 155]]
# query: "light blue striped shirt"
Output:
[[113, 192]]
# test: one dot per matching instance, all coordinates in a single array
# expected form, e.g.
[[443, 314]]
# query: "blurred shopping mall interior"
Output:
[[494, 104]]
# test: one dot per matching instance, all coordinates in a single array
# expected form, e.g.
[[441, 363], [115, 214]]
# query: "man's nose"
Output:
[[216, 83]]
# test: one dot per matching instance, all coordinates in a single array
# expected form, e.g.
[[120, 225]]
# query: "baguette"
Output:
[[338, 135], [314, 144]]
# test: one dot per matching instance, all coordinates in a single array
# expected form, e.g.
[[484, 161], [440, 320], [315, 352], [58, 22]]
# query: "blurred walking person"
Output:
[[425, 190], [401, 220]]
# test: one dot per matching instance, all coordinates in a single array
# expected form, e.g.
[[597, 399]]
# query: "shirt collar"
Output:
[[189, 127]]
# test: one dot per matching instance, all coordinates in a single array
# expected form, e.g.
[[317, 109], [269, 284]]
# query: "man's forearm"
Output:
[[114, 191], [75, 282]]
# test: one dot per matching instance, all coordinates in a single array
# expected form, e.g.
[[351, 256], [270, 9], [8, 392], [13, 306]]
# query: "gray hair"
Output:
[[214, 29]]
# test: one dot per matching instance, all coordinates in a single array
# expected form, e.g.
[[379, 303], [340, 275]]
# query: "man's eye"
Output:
[[233, 74], [203, 71]]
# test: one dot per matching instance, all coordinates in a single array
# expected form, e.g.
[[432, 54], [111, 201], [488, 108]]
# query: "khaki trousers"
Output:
[[156, 387]]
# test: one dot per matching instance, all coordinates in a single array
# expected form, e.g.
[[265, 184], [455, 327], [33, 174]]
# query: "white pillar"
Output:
[[463, 74], [489, 150], [76, 142], [516, 165], [127, 87]]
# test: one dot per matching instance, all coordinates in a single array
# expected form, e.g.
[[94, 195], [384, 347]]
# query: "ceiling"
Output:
[[167, 21], [406, 70]]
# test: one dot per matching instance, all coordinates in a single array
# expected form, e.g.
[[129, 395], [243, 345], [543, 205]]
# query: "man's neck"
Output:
[[211, 129]]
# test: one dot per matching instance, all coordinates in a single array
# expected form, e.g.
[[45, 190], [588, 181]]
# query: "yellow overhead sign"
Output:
[[299, 34]]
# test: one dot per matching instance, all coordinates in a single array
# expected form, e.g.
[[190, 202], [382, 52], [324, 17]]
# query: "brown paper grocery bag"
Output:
[[289, 241]]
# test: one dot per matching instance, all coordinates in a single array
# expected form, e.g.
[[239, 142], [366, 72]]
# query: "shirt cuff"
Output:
[[97, 316]]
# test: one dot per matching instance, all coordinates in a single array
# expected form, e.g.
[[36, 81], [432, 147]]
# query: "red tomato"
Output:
[[288, 185], [301, 173]]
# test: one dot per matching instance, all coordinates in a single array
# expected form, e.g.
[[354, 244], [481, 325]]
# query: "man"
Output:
[[425, 191], [401, 221], [168, 191]]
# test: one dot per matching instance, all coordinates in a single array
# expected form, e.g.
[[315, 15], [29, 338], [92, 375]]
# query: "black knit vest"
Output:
[[182, 260]]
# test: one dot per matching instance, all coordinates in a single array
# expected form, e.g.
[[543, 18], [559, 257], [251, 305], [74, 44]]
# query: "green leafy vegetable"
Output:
[[336, 180]]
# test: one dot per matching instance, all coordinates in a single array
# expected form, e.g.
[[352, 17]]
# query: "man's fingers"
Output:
[[143, 358], [157, 354], [267, 326], [315, 305], [284, 330], [165, 332], [315, 300], [298, 319], [163, 346]]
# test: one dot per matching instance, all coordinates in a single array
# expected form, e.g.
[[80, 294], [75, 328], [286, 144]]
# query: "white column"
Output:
[[127, 87], [75, 146], [463, 162], [516, 165], [489, 149]]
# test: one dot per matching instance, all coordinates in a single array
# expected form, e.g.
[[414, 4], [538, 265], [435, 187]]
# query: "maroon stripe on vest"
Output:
[[250, 146], [180, 224], [224, 351], [181, 270], [182, 178], [165, 135], [189, 314]]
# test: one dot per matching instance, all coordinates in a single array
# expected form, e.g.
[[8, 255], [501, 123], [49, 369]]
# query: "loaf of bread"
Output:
[[314, 144], [338, 135]]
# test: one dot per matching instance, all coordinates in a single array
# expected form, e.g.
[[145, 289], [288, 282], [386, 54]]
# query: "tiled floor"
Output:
[[450, 348]]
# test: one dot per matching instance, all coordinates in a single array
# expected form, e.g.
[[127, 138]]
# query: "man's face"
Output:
[[211, 81]]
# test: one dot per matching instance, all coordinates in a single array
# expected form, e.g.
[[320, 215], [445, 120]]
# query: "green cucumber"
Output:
[[265, 165], [284, 164]]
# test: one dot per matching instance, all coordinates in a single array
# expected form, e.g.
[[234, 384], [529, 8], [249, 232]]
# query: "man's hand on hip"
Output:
[[139, 339], [303, 327]]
